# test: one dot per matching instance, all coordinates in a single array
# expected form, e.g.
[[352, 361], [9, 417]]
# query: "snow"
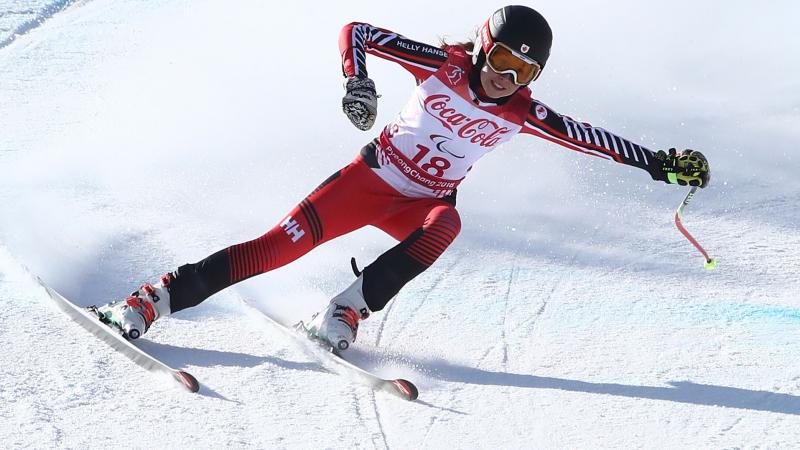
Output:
[[570, 313]]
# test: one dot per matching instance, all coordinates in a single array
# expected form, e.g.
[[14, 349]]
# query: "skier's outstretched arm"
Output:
[[356, 39], [687, 167]]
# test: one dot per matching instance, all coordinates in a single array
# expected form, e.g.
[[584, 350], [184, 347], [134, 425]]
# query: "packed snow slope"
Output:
[[570, 313]]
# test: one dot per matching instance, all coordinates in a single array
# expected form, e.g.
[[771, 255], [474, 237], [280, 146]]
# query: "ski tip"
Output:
[[188, 380], [405, 389]]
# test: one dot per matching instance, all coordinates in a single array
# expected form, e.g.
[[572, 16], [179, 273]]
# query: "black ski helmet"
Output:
[[520, 28]]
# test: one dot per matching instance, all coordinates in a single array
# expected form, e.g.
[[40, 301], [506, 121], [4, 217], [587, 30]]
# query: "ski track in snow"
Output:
[[452, 401], [375, 432], [506, 301], [34, 18], [564, 316], [444, 273], [404, 324], [528, 324]]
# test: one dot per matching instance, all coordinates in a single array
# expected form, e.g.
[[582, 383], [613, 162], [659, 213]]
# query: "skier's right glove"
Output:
[[686, 168], [360, 103]]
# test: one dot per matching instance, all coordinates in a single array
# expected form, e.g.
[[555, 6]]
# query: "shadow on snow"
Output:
[[679, 391]]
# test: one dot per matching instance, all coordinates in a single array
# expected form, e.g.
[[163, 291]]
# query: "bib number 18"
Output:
[[435, 166]]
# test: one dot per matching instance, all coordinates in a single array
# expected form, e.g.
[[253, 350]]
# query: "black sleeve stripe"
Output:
[[546, 123], [620, 147]]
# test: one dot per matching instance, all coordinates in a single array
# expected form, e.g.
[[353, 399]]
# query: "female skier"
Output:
[[469, 99]]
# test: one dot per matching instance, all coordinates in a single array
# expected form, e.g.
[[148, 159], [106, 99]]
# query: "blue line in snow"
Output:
[[755, 312], [740, 313]]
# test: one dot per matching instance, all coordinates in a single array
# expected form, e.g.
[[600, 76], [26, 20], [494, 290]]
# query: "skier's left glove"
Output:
[[686, 168], [360, 103]]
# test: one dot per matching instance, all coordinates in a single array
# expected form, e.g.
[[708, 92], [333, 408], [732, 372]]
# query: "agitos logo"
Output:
[[484, 132], [439, 141]]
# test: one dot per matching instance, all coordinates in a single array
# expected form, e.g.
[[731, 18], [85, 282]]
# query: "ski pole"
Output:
[[710, 263]]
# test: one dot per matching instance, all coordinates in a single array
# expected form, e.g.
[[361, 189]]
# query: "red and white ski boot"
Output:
[[338, 323], [135, 314]]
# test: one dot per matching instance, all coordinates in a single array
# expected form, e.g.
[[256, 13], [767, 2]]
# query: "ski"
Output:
[[114, 338], [332, 360]]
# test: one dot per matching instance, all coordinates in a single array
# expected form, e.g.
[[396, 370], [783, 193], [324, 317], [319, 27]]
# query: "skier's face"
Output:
[[497, 85]]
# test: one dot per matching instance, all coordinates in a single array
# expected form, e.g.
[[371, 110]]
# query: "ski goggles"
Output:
[[504, 60]]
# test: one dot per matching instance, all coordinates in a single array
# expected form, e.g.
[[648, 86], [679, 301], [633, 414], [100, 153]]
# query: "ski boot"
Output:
[[338, 323], [134, 315]]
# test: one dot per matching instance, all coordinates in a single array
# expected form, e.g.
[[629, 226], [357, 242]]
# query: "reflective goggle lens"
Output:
[[502, 59]]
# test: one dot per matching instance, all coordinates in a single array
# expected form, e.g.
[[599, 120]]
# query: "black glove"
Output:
[[687, 168], [360, 103]]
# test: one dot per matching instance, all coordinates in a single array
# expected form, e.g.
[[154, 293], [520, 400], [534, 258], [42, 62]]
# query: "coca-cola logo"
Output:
[[484, 132]]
